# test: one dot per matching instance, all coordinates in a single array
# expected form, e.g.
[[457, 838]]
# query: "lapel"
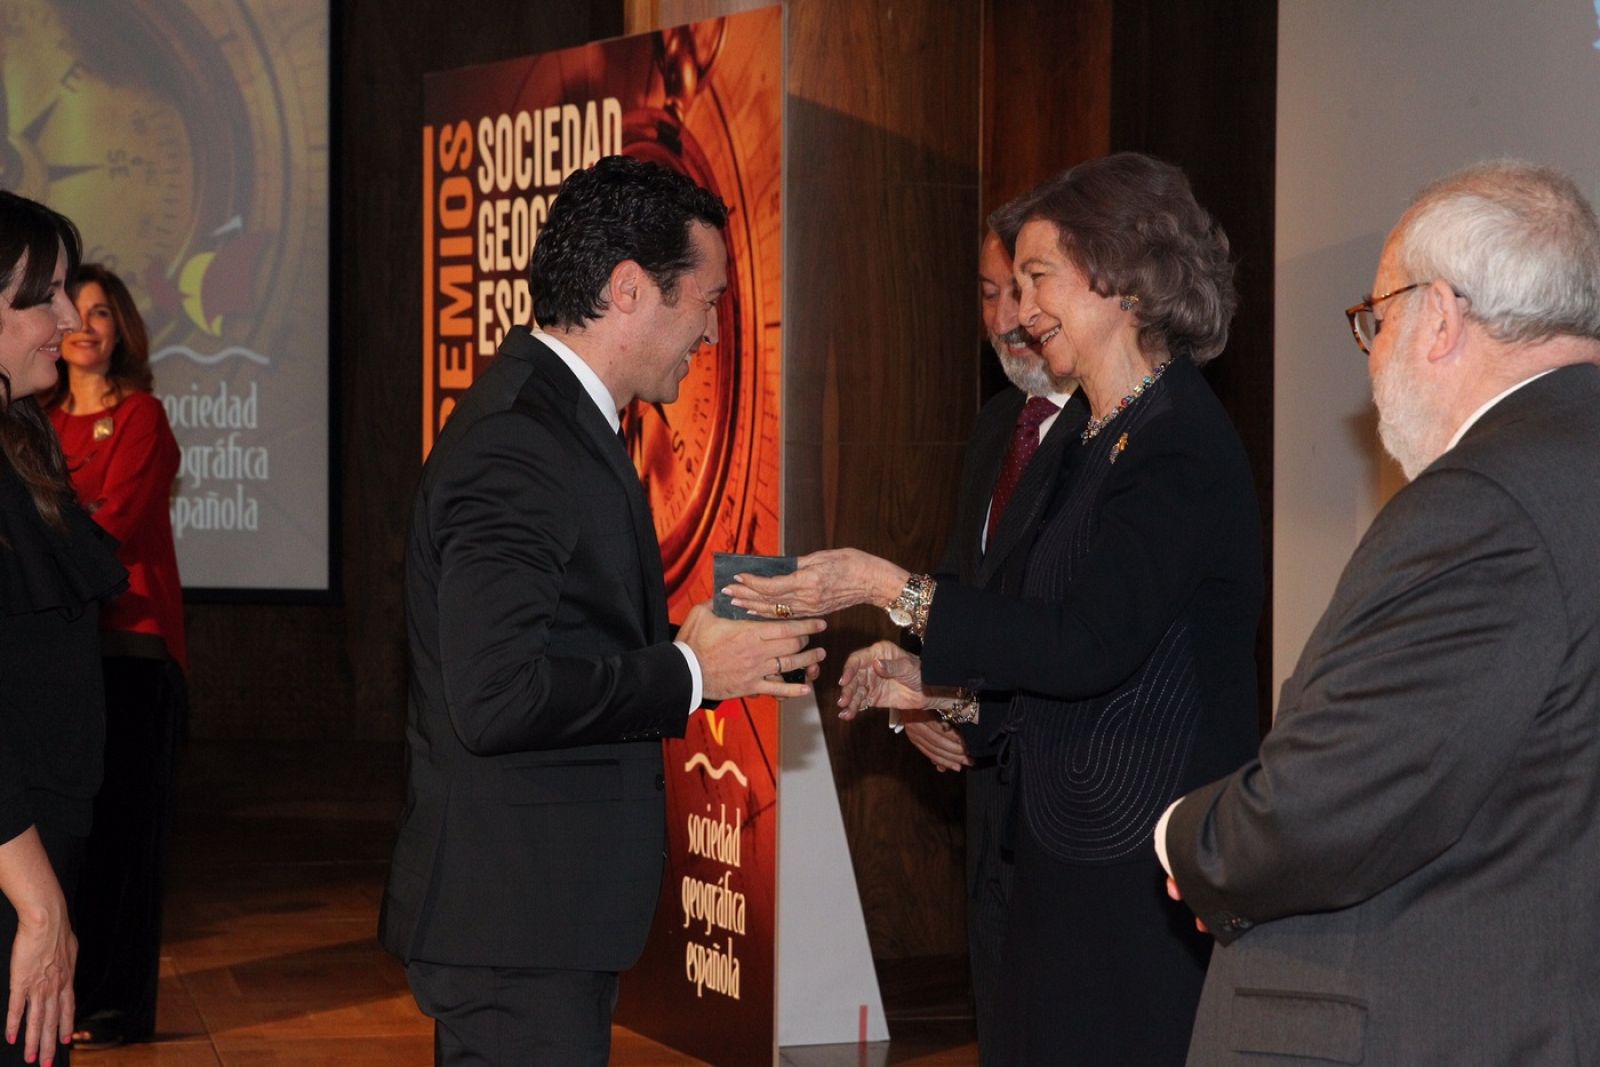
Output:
[[1033, 490], [596, 434]]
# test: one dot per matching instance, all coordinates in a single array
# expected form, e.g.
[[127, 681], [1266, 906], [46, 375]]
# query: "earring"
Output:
[[1127, 302]]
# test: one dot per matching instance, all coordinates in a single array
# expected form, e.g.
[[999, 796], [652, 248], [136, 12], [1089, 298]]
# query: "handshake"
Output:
[[881, 675], [740, 655], [739, 658]]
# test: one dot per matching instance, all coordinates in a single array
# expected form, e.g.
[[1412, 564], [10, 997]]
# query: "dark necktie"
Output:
[[1024, 443]]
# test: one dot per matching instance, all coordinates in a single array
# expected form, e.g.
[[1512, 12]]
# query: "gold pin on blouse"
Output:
[[103, 428], [1118, 448]]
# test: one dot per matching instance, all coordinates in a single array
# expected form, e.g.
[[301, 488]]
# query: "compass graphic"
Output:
[[187, 139], [709, 460]]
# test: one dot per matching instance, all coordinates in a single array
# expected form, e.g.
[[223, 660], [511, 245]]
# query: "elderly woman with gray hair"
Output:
[[1129, 659]]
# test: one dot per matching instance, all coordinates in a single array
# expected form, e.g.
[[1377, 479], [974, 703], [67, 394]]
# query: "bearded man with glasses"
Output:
[[1406, 873]]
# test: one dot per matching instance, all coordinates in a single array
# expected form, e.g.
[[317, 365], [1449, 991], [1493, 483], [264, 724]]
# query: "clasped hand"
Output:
[[884, 675], [747, 658]]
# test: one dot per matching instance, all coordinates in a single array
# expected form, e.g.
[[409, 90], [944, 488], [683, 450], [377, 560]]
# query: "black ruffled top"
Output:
[[52, 704]]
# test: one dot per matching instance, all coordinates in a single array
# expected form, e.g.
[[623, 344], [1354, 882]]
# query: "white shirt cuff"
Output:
[[697, 685], [1161, 836]]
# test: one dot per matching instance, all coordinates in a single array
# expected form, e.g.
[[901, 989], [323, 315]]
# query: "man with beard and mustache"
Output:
[[1010, 468], [1406, 873]]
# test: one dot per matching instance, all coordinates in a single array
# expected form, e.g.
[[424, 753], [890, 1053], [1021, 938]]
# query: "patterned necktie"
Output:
[[1024, 443]]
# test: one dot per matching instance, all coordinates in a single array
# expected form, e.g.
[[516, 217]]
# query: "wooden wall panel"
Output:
[[1046, 103], [1197, 85], [273, 671], [881, 223], [1046, 91]]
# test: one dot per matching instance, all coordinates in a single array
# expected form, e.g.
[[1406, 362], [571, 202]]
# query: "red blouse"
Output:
[[123, 462]]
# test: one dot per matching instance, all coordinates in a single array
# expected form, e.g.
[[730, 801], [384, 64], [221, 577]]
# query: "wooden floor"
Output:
[[270, 956]]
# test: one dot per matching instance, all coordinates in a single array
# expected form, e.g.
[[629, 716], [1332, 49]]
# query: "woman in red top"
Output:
[[123, 460]]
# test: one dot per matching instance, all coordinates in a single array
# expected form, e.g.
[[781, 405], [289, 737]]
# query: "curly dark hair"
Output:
[[1132, 225], [618, 209], [32, 236], [130, 359]]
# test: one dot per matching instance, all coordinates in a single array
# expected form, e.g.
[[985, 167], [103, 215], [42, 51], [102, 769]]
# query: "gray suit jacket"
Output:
[[1409, 873]]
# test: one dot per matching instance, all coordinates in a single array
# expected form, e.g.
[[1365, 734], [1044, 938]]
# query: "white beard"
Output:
[[1406, 425], [1027, 373]]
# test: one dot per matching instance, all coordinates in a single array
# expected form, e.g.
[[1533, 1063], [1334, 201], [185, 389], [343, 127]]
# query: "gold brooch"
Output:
[[103, 428], [1118, 448]]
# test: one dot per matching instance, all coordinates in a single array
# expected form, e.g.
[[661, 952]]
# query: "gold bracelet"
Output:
[[964, 710], [909, 610]]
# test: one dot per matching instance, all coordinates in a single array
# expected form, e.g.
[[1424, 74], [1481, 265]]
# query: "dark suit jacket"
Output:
[[542, 678], [1000, 565], [1164, 552], [989, 874], [1410, 872]]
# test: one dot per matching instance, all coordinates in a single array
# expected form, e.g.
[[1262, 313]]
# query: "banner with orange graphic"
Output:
[[188, 139], [704, 99]]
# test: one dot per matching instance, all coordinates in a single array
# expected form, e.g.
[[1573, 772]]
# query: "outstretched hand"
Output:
[[822, 583]]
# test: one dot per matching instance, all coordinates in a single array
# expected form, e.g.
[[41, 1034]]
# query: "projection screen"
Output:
[[188, 139]]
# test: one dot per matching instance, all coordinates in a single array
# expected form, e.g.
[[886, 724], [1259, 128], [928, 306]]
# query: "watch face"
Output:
[[899, 615]]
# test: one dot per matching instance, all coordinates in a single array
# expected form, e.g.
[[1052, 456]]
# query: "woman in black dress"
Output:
[[55, 566], [1130, 656]]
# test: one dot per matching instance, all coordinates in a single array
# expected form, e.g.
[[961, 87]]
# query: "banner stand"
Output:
[[827, 986]]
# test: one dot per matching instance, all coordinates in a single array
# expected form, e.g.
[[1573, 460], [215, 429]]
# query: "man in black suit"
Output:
[[543, 670], [988, 547]]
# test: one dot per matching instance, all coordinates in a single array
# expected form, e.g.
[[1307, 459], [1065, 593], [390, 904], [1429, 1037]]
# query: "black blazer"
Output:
[[542, 679], [1131, 644], [1001, 566]]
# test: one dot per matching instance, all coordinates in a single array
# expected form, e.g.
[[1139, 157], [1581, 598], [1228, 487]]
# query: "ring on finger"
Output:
[[782, 611]]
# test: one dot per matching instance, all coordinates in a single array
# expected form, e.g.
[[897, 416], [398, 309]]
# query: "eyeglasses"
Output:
[[1364, 324]]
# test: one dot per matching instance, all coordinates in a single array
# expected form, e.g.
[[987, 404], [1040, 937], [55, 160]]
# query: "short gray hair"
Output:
[[1519, 241]]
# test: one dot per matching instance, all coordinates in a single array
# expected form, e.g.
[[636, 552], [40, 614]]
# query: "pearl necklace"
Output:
[[1095, 425]]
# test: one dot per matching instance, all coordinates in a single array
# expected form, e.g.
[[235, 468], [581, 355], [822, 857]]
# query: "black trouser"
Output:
[[988, 903], [514, 1016], [118, 917], [66, 857]]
